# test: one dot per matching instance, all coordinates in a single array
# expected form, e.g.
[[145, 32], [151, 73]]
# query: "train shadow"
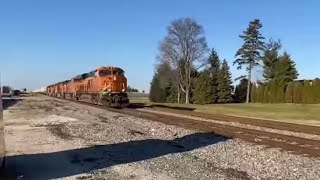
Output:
[[143, 105], [171, 107], [85, 160], [137, 105], [7, 102]]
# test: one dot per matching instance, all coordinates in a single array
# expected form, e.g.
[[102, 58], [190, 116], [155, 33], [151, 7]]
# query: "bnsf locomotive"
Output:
[[105, 86]]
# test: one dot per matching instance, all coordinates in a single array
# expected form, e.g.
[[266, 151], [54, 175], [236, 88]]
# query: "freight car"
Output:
[[105, 86]]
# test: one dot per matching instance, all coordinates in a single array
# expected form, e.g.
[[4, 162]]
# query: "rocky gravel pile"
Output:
[[107, 145]]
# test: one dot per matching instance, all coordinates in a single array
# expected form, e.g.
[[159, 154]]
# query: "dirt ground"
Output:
[[48, 138]]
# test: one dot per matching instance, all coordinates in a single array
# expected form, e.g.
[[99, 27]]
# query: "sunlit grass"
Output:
[[298, 113]]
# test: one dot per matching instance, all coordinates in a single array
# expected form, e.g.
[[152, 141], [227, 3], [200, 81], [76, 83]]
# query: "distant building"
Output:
[[5, 91], [43, 89]]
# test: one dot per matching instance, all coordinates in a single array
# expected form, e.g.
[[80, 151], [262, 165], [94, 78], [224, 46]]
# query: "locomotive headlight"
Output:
[[123, 90]]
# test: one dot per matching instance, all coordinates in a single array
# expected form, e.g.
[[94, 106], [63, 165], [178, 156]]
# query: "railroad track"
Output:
[[292, 144], [289, 143], [245, 120]]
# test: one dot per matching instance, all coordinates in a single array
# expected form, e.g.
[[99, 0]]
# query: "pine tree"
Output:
[[289, 93], [261, 92], [224, 84], [250, 52], [241, 91], [285, 68], [157, 94], [203, 89], [214, 74], [273, 90], [281, 89], [163, 84], [278, 71], [316, 90], [266, 93], [254, 93], [171, 92], [270, 59], [297, 92], [307, 94]]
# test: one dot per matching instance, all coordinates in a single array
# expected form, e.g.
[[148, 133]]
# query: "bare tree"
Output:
[[184, 48]]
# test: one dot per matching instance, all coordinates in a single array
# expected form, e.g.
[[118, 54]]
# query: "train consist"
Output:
[[105, 86]]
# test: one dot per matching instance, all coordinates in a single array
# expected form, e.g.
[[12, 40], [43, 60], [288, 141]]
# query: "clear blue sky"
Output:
[[42, 42]]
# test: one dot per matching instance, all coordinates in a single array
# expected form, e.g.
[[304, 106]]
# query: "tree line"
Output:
[[188, 71], [132, 89]]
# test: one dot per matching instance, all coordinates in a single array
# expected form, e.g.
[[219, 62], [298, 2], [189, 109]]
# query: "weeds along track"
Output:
[[292, 144]]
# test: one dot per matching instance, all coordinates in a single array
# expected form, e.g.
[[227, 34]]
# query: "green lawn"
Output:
[[295, 113], [308, 114], [139, 98]]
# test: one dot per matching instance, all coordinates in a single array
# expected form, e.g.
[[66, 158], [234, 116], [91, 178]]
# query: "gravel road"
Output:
[[48, 138]]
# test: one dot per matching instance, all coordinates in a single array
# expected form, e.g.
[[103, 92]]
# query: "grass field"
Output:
[[139, 98], [295, 113]]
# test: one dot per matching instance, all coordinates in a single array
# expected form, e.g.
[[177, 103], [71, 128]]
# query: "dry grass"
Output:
[[139, 98]]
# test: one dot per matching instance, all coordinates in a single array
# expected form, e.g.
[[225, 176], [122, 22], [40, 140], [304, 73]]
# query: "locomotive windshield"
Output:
[[104, 73], [118, 72]]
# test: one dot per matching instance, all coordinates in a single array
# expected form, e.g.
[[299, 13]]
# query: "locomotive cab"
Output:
[[113, 86], [112, 80]]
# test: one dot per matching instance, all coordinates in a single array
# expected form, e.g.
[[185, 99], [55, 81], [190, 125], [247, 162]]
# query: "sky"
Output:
[[43, 42]]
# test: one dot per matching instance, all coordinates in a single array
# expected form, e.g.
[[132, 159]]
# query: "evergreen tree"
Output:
[[273, 91], [241, 91], [165, 75], [250, 52], [285, 68], [157, 94], [163, 84], [131, 89], [266, 93], [254, 93], [171, 92], [270, 59], [214, 74], [297, 93], [194, 77], [307, 94], [289, 92], [260, 92], [224, 84], [203, 89], [316, 90], [281, 89]]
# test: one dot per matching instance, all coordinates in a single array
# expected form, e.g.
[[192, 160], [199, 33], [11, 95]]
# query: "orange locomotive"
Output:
[[105, 85]]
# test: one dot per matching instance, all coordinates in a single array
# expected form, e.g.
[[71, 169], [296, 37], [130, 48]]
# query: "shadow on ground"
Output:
[[137, 105], [77, 161], [8, 101], [143, 105]]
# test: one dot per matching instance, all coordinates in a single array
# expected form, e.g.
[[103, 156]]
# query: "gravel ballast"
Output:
[[49, 138]]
